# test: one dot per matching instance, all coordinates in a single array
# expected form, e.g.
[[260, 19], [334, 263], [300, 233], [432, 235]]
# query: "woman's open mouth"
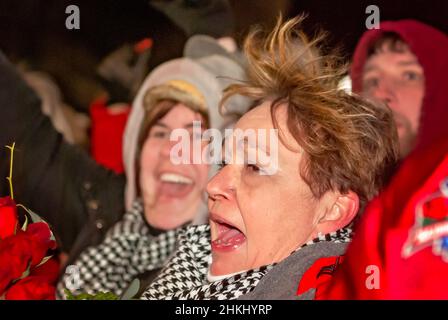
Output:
[[173, 185], [227, 237]]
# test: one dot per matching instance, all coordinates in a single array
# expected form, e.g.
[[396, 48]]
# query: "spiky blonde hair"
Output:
[[349, 143]]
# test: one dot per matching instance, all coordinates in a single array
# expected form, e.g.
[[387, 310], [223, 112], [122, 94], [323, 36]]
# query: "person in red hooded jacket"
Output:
[[400, 250], [404, 64]]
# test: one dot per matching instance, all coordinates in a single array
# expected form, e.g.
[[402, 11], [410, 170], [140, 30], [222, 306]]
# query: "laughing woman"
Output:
[[272, 232], [165, 195]]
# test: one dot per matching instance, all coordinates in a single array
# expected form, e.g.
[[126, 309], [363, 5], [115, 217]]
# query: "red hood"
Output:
[[431, 48]]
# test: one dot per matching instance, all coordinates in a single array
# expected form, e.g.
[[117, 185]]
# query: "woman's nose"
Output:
[[167, 147], [222, 185]]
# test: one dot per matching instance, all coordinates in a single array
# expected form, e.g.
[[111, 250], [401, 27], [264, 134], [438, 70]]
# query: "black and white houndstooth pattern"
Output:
[[184, 277], [127, 251]]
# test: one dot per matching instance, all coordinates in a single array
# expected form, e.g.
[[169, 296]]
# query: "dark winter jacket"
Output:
[[79, 198]]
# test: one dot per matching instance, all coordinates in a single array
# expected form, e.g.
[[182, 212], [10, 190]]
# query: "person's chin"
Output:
[[166, 218], [222, 266], [407, 143]]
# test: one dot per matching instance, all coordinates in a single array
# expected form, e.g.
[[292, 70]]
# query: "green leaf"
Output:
[[131, 291], [68, 294], [44, 260], [35, 218], [25, 273], [86, 296], [25, 224], [52, 237]]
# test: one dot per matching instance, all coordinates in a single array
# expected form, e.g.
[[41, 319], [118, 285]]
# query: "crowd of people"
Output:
[[361, 179]]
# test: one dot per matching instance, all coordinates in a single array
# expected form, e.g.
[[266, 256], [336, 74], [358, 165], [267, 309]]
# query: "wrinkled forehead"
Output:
[[259, 119]]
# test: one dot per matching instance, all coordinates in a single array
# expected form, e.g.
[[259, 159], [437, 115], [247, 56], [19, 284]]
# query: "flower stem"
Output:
[[11, 190]]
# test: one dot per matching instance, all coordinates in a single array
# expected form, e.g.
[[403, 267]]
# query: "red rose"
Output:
[[49, 270], [15, 255], [8, 217], [24, 250], [31, 288], [21, 252], [39, 234]]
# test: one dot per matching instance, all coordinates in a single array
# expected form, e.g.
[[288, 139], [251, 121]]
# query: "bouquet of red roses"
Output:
[[27, 269]]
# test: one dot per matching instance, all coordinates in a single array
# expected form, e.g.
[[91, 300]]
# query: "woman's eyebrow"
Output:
[[190, 125], [161, 124]]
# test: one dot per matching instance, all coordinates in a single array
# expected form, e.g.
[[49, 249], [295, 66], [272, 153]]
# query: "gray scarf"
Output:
[[185, 275]]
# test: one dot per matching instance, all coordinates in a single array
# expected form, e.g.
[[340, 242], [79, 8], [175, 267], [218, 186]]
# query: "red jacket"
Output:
[[400, 250], [401, 245]]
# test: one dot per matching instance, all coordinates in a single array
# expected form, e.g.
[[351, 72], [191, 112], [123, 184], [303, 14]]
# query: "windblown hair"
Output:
[[349, 143]]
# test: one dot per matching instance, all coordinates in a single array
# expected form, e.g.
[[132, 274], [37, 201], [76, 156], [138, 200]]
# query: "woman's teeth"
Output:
[[175, 178]]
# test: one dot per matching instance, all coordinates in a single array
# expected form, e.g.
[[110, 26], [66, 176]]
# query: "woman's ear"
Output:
[[340, 213]]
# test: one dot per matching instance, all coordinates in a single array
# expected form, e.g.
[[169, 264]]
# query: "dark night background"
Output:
[[34, 30]]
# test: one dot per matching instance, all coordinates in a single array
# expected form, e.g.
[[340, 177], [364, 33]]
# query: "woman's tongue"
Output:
[[174, 186], [174, 190], [229, 238]]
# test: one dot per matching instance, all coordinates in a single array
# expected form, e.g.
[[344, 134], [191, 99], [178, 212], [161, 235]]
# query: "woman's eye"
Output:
[[221, 164], [253, 168], [158, 134], [411, 75]]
